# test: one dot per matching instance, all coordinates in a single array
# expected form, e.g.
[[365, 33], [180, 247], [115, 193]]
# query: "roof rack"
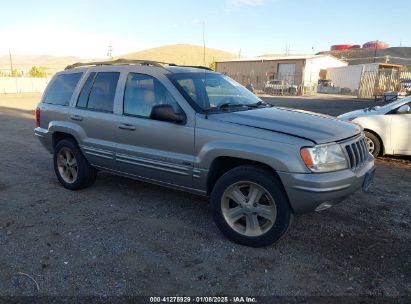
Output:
[[116, 62], [132, 62], [191, 66]]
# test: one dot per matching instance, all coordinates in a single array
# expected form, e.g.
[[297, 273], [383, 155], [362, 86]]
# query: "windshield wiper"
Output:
[[225, 106], [260, 104], [228, 105]]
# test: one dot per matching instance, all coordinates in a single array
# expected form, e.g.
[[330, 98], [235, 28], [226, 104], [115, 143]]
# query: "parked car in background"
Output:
[[387, 128], [199, 131], [280, 87]]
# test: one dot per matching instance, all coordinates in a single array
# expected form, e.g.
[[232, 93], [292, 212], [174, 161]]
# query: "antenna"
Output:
[[205, 71], [204, 47]]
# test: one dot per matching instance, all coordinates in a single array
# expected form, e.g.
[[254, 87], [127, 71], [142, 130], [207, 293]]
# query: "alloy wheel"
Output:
[[67, 165], [248, 208]]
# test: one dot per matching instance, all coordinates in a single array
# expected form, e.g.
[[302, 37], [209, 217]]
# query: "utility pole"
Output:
[[11, 63], [375, 50], [110, 51]]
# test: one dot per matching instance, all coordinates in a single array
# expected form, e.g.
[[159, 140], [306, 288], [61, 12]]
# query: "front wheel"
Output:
[[374, 144], [250, 206]]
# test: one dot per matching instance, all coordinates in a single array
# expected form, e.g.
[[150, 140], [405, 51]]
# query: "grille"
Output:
[[357, 153]]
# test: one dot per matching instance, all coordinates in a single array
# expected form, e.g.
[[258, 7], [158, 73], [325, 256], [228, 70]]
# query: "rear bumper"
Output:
[[306, 192], [45, 137]]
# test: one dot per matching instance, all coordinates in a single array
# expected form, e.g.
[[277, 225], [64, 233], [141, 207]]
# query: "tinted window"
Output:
[[98, 92], [62, 89], [143, 92], [85, 91], [101, 97]]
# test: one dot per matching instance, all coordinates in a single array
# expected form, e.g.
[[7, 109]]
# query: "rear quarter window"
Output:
[[62, 88]]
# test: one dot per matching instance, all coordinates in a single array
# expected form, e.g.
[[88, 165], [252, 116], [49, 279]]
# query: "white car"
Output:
[[387, 128]]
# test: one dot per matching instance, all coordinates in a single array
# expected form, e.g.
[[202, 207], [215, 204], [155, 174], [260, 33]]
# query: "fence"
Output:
[[22, 84], [279, 83], [375, 83]]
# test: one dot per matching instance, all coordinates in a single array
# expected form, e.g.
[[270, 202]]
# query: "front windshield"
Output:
[[212, 91], [396, 103]]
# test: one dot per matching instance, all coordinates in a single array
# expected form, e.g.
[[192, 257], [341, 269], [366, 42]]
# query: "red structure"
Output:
[[339, 47], [375, 45]]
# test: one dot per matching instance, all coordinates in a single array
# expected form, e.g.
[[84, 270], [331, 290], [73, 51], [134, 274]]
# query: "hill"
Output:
[[395, 55], [183, 54]]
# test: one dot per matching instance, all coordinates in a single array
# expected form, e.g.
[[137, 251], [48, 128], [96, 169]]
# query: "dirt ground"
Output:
[[124, 237]]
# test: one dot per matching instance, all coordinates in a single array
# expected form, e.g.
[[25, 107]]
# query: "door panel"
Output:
[[401, 133], [94, 114], [157, 150]]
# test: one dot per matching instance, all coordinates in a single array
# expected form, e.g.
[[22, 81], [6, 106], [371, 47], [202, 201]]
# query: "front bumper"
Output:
[[45, 137], [306, 192]]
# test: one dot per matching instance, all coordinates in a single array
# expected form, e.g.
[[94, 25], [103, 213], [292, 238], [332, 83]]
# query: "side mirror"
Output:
[[404, 109], [166, 113]]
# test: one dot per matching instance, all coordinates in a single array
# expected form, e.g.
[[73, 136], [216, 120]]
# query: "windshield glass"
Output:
[[398, 102], [211, 91]]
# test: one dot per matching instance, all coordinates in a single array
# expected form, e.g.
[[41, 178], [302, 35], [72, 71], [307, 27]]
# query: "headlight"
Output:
[[324, 158]]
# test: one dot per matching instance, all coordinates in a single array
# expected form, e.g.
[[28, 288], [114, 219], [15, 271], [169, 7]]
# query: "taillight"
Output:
[[37, 117]]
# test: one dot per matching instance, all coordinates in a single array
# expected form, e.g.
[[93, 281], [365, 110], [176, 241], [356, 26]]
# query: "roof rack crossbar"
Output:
[[115, 62]]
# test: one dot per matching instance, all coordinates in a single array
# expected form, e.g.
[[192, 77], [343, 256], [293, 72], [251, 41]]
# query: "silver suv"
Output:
[[192, 129]]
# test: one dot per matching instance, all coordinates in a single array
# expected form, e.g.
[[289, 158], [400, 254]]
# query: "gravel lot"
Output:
[[123, 237]]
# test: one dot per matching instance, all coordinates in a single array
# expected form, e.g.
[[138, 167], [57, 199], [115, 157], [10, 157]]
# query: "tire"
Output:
[[71, 167], [374, 144], [270, 210]]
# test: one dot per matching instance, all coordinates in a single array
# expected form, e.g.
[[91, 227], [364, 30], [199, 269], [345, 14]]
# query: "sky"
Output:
[[86, 28]]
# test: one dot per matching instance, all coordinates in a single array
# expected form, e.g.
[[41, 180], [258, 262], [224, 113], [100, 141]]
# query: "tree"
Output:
[[15, 73], [212, 64], [37, 72]]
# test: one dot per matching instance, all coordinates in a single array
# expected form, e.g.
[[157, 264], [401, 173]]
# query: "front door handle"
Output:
[[127, 127], [76, 117]]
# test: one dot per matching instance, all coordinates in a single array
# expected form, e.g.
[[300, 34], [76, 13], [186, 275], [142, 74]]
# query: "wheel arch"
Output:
[[58, 136], [222, 164]]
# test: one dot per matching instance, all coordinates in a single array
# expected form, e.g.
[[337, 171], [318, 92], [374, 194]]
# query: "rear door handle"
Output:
[[127, 127], [76, 117]]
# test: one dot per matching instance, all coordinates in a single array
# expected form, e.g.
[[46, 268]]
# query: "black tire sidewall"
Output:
[[268, 181], [83, 167], [376, 141]]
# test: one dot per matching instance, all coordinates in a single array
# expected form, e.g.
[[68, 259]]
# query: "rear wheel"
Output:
[[374, 144], [72, 169], [250, 206]]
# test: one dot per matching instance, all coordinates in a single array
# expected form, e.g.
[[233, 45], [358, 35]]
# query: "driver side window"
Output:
[[143, 92]]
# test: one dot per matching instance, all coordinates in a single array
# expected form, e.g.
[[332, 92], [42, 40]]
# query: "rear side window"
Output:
[[62, 89], [99, 91]]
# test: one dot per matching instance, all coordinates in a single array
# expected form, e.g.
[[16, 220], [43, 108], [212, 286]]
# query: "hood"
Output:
[[308, 125]]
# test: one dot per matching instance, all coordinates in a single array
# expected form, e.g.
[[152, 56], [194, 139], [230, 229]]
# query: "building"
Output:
[[367, 80], [302, 70]]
